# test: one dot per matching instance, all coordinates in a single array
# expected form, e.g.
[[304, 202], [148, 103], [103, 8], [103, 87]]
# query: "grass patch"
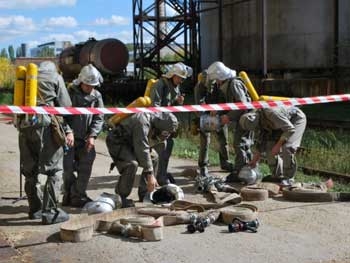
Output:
[[325, 150], [6, 98], [339, 186]]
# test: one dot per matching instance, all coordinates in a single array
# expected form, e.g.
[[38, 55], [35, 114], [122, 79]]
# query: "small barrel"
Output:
[[209, 123]]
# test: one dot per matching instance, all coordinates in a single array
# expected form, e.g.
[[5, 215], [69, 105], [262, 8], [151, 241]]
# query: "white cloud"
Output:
[[114, 20], [11, 22], [84, 35], [62, 21], [12, 27], [33, 4], [124, 36]]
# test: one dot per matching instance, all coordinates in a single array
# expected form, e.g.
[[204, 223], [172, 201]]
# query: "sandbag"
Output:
[[253, 193], [245, 212]]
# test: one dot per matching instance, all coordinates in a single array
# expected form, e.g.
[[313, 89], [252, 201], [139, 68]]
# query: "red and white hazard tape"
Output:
[[184, 108]]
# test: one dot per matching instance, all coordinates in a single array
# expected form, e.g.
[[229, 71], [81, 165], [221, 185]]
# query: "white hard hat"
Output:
[[165, 121], [176, 191], [47, 66], [101, 205], [165, 194], [219, 71], [89, 75], [179, 69], [249, 175]]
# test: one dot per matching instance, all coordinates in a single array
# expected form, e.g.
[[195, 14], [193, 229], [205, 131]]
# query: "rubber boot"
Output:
[[203, 171], [34, 195], [233, 177], [127, 203], [54, 216]]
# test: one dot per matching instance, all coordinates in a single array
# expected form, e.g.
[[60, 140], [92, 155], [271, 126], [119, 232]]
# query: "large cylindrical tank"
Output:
[[110, 56], [300, 34]]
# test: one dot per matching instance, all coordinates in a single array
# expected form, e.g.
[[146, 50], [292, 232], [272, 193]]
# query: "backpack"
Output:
[[238, 91]]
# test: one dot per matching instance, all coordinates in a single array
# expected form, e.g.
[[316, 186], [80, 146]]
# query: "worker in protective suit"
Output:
[[79, 159], [39, 152], [166, 92], [128, 145], [207, 92], [232, 89], [279, 132]]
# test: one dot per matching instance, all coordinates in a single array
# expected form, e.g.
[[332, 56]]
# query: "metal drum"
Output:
[[109, 56], [69, 62], [209, 123]]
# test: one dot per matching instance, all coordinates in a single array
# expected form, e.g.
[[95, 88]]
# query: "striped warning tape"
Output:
[[184, 108], [6, 119]]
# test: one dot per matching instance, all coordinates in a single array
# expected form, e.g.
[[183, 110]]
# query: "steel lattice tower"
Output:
[[165, 32]]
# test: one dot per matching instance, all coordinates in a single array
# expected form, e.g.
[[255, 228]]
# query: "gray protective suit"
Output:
[[205, 92], [283, 122], [39, 154], [164, 93], [234, 90], [128, 144], [78, 159]]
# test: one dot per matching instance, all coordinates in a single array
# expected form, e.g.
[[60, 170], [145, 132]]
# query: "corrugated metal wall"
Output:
[[300, 34], [307, 43]]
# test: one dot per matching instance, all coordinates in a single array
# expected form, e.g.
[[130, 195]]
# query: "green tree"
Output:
[[46, 52], [3, 53], [11, 51], [130, 47]]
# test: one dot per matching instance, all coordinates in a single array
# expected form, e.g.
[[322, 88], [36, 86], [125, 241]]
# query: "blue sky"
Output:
[[39, 21]]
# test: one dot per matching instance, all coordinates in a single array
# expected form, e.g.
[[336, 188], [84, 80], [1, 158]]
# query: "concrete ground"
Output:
[[289, 232]]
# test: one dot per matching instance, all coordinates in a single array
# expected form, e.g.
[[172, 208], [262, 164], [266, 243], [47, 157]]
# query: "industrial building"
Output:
[[294, 47], [56, 46]]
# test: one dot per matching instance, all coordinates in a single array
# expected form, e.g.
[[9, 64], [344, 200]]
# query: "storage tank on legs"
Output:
[[110, 56]]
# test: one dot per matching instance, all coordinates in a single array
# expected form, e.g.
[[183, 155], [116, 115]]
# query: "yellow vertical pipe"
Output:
[[31, 90], [149, 86], [20, 84], [251, 90]]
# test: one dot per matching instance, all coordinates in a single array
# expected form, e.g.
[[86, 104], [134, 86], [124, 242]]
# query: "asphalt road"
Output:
[[289, 232]]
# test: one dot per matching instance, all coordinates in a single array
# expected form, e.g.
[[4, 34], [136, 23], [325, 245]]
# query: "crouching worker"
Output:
[[279, 132], [128, 145]]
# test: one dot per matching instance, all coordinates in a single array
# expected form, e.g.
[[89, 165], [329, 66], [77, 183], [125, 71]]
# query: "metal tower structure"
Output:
[[165, 32]]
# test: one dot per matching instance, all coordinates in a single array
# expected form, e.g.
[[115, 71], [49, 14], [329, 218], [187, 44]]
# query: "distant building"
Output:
[[57, 46], [24, 50]]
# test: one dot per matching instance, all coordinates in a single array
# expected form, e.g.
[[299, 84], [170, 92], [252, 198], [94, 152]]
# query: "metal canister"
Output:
[[209, 123]]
